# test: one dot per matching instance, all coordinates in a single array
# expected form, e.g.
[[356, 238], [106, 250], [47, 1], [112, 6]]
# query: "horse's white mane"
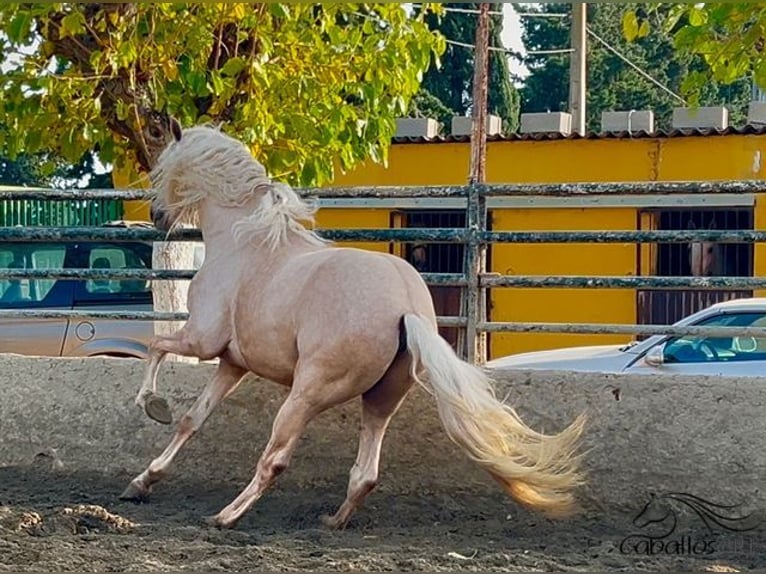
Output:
[[208, 164]]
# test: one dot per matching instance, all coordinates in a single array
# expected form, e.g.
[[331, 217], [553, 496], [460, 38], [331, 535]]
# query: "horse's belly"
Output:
[[267, 357]]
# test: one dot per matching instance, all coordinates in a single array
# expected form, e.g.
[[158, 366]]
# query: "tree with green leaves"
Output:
[[307, 87], [729, 37], [304, 85], [612, 83], [447, 89], [41, 171]]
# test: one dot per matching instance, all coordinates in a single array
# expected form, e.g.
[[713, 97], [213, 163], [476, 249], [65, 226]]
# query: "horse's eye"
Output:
[[709, 249]]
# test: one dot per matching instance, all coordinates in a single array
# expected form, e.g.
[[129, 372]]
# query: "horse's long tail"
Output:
[[539, 471]]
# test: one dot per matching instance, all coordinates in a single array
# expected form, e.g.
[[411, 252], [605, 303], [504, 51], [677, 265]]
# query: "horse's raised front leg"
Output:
[[183, 342], [154, 406], [225, 381]]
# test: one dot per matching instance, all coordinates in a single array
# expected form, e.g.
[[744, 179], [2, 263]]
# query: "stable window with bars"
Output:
[[666, 306]]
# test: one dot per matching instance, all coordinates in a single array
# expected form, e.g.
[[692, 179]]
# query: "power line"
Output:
[[634, 66], [541, 15], [512, 52], [465, 10], [469, 11]]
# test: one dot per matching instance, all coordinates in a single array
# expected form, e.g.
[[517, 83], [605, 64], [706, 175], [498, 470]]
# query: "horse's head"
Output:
[[704, 256], [160, 140], [207, 178], [202, 165], [654, 511]]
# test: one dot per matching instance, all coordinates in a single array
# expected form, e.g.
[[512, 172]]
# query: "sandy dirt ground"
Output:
[[433, 511], [65, 521]]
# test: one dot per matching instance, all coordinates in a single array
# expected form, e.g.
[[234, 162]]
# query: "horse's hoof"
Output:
[[214, 522], [135, 494], [330, 522], [156, 408]]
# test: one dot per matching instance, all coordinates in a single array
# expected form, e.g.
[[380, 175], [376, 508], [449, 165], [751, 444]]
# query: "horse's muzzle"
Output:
[[160, 218]]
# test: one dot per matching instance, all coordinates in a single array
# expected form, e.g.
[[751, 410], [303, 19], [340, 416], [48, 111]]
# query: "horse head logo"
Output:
[[663, 510]]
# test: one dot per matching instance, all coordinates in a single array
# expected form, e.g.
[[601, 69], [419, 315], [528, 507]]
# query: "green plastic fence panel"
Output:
[[74, 213]]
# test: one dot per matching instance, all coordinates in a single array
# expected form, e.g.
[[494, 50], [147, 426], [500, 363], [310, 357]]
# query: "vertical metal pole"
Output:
[[578, 67], [475, 259]]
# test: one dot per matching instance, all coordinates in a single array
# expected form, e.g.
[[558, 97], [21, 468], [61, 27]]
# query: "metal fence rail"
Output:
[[475, 236]]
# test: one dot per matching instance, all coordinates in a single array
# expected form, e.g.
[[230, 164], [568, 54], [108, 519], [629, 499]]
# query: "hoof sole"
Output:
[[157, 409]]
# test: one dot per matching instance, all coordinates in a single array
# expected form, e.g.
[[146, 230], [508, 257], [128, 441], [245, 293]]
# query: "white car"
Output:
[[666, 354]]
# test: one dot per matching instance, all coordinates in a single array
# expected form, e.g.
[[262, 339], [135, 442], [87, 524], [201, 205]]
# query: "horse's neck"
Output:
[[217, 225]]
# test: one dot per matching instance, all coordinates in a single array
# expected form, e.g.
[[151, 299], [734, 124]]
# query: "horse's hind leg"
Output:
[[292, 418], [225, 381], [312, 393], [379, 405]]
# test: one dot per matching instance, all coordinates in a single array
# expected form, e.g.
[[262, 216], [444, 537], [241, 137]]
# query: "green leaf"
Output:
[[217, 82], [697, 16], [643, 29], [197, 82], [630, 25], [19, 27], [73, 24], [233, 66]]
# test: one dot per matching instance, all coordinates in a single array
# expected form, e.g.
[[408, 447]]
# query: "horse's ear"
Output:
[[175, 128]]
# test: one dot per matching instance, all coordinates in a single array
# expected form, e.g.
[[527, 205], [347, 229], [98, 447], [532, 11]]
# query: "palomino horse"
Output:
[[332, 324], [705, 258]]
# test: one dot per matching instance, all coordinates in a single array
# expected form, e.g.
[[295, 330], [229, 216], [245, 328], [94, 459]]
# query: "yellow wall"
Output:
[[558, 161], [527, 161], [133, 210], [356, 219], [575, 160], [556, 305]]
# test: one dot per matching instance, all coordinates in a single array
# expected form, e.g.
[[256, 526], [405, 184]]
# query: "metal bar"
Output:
[[445, 191], [441, 279], [85, 314], [630, 282], [545, 189], [142, 316], [22, 193], [445, 279], [108, 234], [622, 329], [405, 234], [624, 188], [431, 235], [487, 280], [659, 236], [96, 274], [122, 234]]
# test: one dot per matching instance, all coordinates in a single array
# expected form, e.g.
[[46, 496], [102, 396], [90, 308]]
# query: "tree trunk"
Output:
[[170, 296]]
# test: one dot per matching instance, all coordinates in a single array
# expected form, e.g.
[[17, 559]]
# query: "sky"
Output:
[[512, 37]]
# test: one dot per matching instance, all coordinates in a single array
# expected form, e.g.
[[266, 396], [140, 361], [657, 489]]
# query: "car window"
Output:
[[115, 257], [696, 349], [20, 292]]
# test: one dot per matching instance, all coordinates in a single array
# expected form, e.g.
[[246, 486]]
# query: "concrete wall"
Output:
[[698, 435]]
